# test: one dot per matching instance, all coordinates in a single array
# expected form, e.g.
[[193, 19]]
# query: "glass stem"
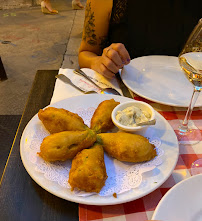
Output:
[[190, 108]]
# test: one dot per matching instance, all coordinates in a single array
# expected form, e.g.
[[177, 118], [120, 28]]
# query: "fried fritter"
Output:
[[65, 145], [127, 147], [58, 119], [101, 120], [88, 170]]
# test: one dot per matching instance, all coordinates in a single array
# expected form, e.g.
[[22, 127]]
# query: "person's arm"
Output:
[[95, 31]]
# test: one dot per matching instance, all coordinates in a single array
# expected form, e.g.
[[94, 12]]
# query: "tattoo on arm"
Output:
[[89, 26], [89, 29]]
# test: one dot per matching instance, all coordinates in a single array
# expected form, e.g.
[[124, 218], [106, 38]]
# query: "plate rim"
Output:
[[82, 200]]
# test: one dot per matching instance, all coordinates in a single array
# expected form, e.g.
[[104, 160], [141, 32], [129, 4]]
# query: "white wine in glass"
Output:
[[190, 60]]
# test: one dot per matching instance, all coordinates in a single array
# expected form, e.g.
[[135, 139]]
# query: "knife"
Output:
[[125, 90]]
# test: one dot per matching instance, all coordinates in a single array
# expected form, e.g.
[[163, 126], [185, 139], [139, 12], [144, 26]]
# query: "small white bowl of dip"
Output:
[[127, 114]]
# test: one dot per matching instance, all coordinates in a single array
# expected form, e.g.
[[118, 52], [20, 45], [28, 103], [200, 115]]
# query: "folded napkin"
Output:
[[63, 90]]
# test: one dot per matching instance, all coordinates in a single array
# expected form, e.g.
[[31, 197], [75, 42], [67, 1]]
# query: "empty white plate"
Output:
[[183, 202], [159, 79]]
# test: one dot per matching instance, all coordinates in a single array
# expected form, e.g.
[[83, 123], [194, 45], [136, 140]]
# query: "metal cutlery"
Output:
[[66, 80], [126, 92], [103, 90]]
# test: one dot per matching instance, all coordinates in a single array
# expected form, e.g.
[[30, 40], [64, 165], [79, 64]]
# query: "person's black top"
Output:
[[153, 27]]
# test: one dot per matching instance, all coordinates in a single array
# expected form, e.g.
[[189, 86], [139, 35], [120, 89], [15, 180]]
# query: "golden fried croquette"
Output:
[[101, 120], [127, 147], [65, 145], [58, 119], [88, 170]]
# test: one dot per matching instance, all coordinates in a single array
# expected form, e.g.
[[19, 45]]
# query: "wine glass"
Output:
[[190, 60]]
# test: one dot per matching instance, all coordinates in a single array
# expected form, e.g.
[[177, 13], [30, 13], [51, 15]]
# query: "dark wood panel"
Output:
[[8, 128], [21, 198]]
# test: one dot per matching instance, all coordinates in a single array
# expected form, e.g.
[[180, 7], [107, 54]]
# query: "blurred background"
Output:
[[37, 41]]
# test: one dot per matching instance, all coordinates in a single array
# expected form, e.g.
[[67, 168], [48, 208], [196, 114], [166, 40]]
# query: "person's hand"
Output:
[[113, 58]]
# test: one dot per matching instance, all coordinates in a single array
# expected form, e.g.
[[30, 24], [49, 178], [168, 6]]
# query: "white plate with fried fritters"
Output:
[[151, 180]]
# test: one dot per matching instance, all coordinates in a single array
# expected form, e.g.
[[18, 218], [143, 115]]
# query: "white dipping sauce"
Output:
[[132, 115]]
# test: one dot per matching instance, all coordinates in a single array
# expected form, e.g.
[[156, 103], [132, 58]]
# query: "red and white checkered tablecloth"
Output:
[[142, 209]]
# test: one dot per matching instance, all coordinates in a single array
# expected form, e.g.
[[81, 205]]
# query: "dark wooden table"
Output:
[[21, 199]]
